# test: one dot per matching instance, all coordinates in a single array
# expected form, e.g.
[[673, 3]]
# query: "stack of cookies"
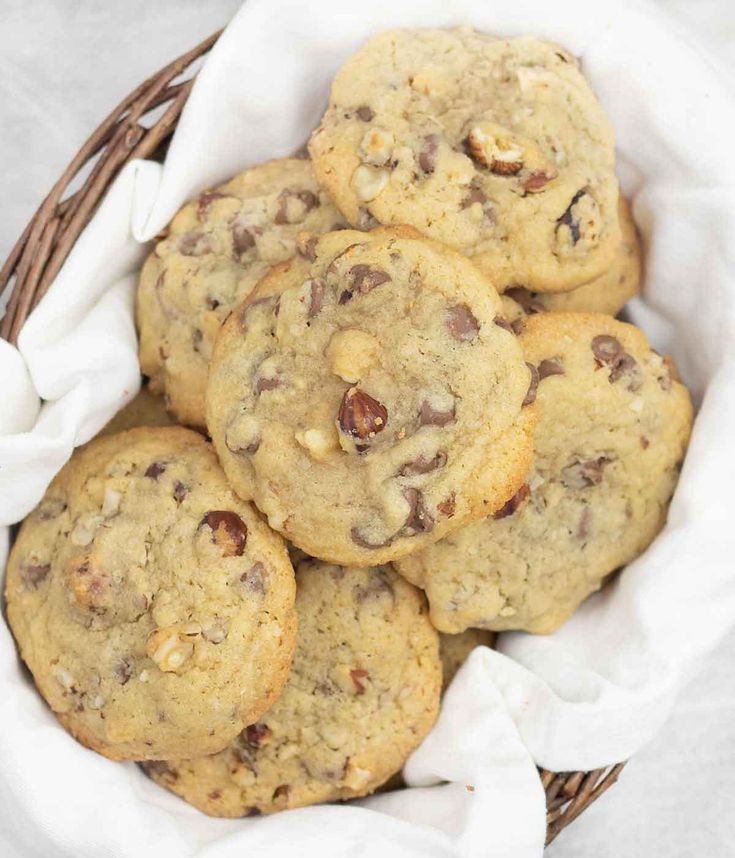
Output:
[[410, 411]]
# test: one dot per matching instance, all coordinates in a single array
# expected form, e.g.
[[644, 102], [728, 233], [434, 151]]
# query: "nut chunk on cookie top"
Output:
[[366, 400], [215, 250], [613, 427], [496, 147], [154, 608], [363, 692]]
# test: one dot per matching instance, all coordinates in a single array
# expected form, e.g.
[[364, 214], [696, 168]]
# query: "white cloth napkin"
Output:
[[587, 696]]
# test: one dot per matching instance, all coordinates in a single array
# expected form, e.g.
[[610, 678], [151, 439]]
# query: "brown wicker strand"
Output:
[[44, 246]]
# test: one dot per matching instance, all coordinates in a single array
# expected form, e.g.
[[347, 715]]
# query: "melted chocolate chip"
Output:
[[357, 674], [243, 238], [365, 113], [419, 519], [429, 416], [533, 385], [428, 153], [205, 201], [316, 297], [550, 366], [461, 324], [422, 465], [358, 538], [154, 470], [364, 278], [584, 473], [255, 578], [34, 574], [447, 507], [510, 506], [568, 218]]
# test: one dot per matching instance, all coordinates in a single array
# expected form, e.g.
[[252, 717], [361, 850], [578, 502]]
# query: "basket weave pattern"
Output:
[[130, 131]]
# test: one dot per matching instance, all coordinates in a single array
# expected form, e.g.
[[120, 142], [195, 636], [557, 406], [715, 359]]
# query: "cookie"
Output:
[[153, 607], [361, 695], [496, 147], [454, 650], [146, 409], [613, 427], [364, 398], [214, 252], [605, 294]]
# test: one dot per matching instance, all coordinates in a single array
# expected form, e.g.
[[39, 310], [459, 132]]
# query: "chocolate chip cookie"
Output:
[[153, 607], [607, 293], [614, 422], [365, 399], [361, 695], [214, 252], [496, 147]]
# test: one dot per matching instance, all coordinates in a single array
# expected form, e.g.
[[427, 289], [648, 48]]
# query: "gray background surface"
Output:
[[63, 65]]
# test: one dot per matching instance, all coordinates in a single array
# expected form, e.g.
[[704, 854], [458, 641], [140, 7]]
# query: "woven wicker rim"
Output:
[[41, 250]]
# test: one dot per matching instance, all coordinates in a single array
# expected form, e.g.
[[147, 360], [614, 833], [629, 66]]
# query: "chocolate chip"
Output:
[[281, 792], [422, 465], [365, 113], [532, 387], [287, 213], [510, 506], [255, 578], [419, 519], [357, 674], [569, 219], [243, 238], [316, 297], [429, 416], [609, 351], [34, 574], [585, 521], [582, 474], [361, 416], [123, 671], [537, 181], [50, 508], [428, 153], [461, 324], [205, 201], [626, 365], [154, 470], [267, 384], [255, 735], [475, 195], [550, 366], [162, 769], [364, 278], [644, 442], [306, 246], [229, 531], [180, 491], [447, 507], [606, 349], [195, 244]]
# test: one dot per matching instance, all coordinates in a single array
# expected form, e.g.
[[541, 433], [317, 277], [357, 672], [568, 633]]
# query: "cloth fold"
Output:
[[589, 695]]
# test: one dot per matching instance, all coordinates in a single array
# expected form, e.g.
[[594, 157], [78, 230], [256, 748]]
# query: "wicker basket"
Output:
[[140, 127]]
